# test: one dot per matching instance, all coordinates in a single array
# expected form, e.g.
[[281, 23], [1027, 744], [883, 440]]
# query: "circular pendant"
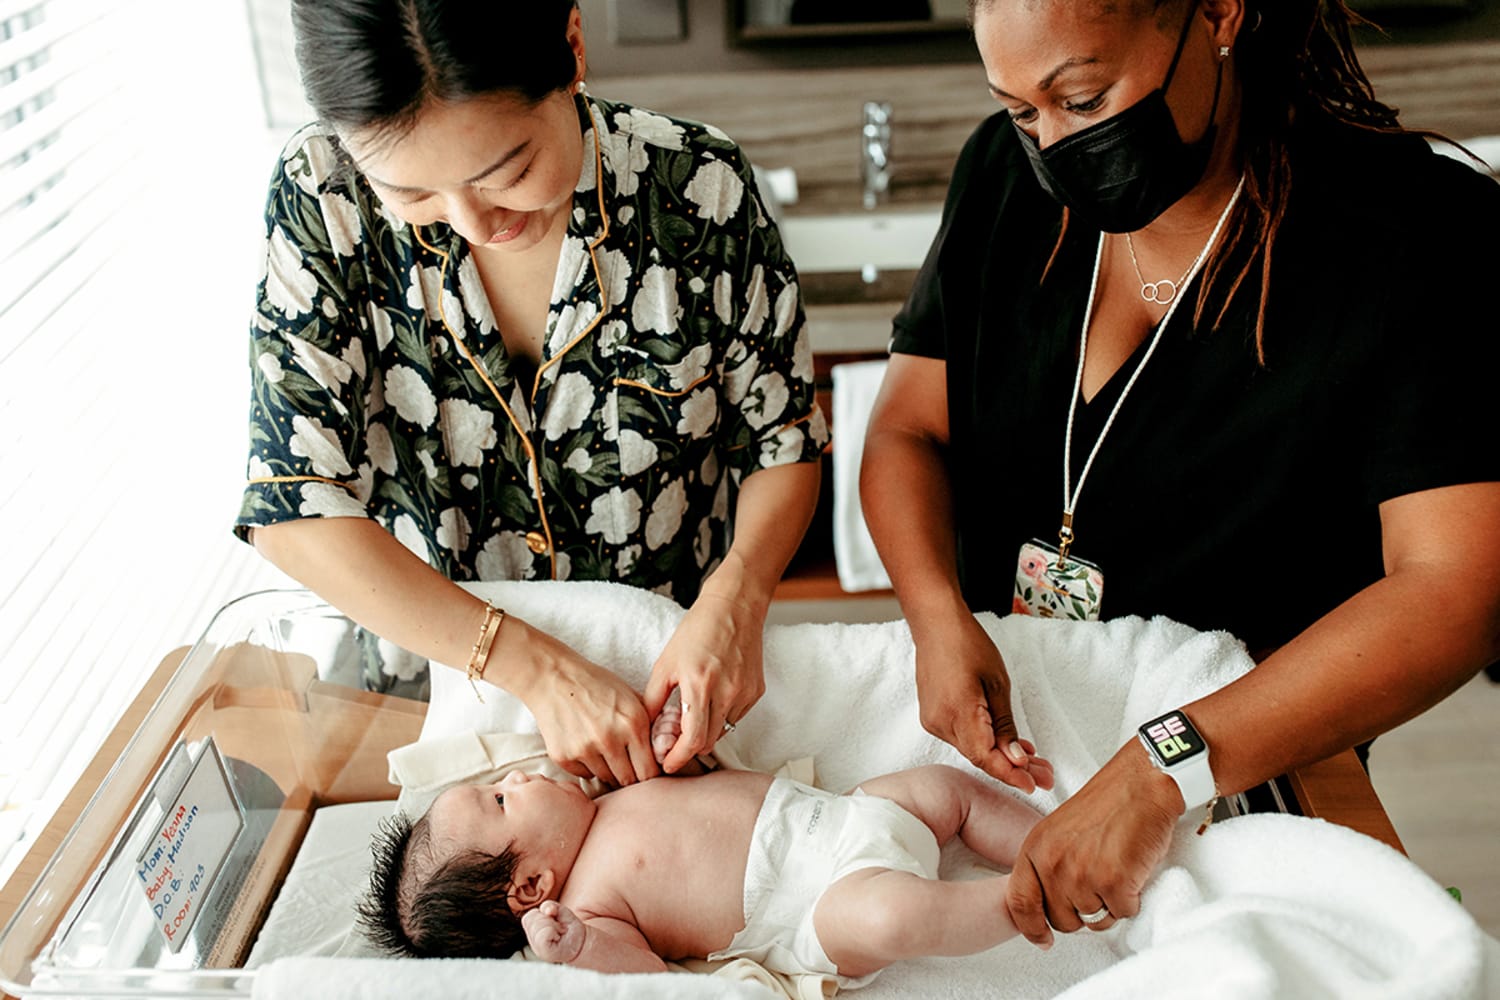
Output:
[[1161, 292]]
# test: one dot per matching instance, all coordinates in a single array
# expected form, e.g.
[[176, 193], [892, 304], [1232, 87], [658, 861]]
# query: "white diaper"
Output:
[[805, 840]]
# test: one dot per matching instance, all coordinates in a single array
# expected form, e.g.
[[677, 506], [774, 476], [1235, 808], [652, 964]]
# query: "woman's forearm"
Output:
[[362, 570], [771, 516], [1376, 661], [908, 506]]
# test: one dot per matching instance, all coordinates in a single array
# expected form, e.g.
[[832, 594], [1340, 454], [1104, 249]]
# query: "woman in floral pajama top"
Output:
[[425, 412]]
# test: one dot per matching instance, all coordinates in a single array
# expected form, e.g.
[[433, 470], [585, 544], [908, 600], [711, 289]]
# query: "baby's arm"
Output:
[[606, 944], [955, 803]]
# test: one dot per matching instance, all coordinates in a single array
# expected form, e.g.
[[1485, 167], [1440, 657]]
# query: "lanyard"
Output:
[[1070, 492]]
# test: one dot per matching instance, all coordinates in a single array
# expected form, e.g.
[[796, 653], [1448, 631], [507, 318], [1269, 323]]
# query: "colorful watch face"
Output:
[[1172, 739]]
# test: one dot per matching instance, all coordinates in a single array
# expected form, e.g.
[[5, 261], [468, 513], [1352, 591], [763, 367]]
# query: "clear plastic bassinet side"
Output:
[[161, 884]]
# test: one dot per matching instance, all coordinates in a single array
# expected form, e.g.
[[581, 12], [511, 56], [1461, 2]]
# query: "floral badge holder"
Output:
[[1050, 585]]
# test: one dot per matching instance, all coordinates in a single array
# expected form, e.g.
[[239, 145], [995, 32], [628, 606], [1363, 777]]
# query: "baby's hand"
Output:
[[665, 730], [554, 932]]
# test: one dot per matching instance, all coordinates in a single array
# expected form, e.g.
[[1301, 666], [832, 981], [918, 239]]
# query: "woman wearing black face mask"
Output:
[[1203, 335]]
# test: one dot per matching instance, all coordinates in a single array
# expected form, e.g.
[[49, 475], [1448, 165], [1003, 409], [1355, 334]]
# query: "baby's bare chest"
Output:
[[672, 864]]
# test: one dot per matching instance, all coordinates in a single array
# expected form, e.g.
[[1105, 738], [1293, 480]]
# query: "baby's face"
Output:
[[544, 820]]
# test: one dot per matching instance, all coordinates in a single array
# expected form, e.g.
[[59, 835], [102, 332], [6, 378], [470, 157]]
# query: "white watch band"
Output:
[[1195, 780]]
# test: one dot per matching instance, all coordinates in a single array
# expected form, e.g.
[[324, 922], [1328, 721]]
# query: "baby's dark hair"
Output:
[[420, 907]]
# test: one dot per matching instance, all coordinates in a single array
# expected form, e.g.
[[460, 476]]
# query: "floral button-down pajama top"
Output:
[[675, 363]]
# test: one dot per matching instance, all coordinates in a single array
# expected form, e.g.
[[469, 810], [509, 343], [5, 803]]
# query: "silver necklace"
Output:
[[1071, 493], [1163, 292]]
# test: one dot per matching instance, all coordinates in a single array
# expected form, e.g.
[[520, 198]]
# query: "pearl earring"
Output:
[[1223, 52]]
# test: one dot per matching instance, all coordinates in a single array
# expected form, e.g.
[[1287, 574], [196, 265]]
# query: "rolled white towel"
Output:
[[854, 388]]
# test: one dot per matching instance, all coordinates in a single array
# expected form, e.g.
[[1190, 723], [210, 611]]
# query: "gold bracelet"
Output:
[[1208, 813], [479, 654]]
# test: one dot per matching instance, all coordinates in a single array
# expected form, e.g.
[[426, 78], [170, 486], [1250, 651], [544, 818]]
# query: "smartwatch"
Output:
[[1177, 750]]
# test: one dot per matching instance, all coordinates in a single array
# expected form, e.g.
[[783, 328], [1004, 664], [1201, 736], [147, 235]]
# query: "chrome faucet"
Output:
[[875, 152]]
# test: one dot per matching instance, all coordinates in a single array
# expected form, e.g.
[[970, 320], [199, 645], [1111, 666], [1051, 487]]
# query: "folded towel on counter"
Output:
[[854, 388], [1242, 911]]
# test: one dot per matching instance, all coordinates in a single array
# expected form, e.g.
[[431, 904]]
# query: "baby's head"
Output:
[[455, 882]]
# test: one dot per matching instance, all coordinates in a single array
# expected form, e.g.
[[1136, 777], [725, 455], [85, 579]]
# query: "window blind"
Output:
[[133, 160]]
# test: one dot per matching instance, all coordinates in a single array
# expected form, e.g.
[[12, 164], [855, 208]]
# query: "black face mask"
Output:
[[1120, 174]]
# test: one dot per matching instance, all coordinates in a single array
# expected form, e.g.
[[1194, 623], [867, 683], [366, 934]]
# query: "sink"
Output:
[[860, 241]]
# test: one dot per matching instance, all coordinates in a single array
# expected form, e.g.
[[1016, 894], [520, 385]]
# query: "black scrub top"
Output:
[[1227, 495]]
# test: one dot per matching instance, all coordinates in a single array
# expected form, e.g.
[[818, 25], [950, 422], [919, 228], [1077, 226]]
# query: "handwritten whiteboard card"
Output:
[[178, 865]]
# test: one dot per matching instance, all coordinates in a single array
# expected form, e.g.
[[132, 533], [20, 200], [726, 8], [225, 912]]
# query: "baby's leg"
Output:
[[956, 803], [873, 917]]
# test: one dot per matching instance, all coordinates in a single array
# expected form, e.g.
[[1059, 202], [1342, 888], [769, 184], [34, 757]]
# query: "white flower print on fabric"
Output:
[[505, 556], [408, 392], [327, 500], [611, 335], [475, 302], [320, 445], [353, 356], [380, 320], [655, 307], [616, 515], [424, 290], [578, 461], [310, 160], [258, 469], [270, 367], [802, 359], [409, 534], [786, 309], [626, 158], [571, 403], [766, 400], [724, 298], [290, 287], [666, 515], [469, 431], [625, 214], [614, 276], [469, 481], [571, 262], [737, 381], [637, 453], [364, 485], [330, 308], [453, 530], [587, 178], [609, 415], [650, 127], [703, 541], [783, 447], [342, 219], [699, 411], [717, 191], [428, 465], [757, 305], [691, 368], [571, 322], [325, 369], [626, 559]]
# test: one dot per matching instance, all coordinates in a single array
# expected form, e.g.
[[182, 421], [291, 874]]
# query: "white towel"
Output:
[[1269, 897], [479, 979], [854, 388]]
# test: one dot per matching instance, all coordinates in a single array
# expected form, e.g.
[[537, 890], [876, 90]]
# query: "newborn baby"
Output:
[[718, 865]]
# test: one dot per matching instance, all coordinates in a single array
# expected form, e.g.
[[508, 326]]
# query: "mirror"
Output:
[[760, 21]]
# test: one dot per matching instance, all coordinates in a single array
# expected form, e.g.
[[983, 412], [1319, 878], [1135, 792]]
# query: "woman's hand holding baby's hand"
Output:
[[593, 723], [963, 693], [554, 932], [714, 661]]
